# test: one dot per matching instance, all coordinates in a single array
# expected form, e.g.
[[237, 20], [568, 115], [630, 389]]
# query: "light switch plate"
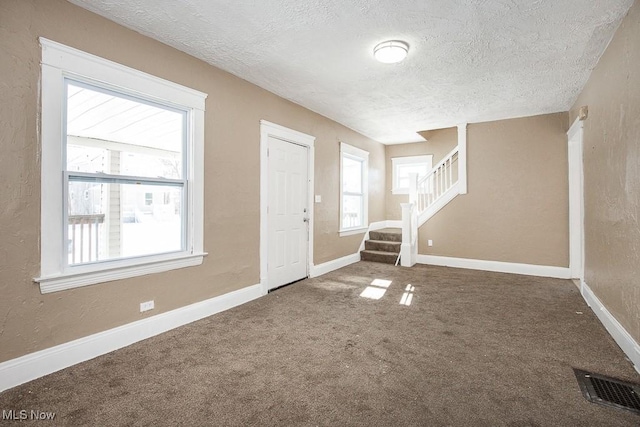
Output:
[[318, 198]]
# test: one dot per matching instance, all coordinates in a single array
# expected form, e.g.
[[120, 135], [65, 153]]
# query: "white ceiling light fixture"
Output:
[[391, 51]]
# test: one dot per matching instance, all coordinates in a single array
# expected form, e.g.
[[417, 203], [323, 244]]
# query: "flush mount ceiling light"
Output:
[[391, 51]]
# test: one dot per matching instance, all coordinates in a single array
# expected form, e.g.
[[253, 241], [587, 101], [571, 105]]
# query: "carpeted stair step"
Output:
[[378, 256], [387, 235], [382, 246]]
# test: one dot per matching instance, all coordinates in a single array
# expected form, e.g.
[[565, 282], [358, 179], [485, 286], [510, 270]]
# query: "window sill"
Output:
[[400, 191], [352, 231], [61, 282]]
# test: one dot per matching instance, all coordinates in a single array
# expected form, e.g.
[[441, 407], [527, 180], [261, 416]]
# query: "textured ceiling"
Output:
[[469, 60]]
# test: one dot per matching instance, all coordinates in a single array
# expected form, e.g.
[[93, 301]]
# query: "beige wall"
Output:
[[516, 209], [439, 143], [612, 175], [30, 321]]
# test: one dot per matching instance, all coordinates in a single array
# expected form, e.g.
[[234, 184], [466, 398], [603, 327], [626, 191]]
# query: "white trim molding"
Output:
[[462, 158], [576, 198], [626, 342], [329, 266], [497, 266], [576, 126], [352, 231], [268, 129], [35, 365], [396, 162], [62, 282], [357, 154]]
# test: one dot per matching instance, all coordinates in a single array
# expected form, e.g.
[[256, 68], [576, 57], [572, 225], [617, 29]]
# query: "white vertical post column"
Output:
[[414, 236], [462, 158], [413, 188], [113, 219], [405, 248]]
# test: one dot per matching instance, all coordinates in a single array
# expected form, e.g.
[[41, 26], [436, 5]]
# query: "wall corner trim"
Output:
[[35, 365], [329, 266], [620, 335], [497, 266]]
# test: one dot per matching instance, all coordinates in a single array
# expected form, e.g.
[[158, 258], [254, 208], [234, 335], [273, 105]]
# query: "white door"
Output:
[[288, 212]]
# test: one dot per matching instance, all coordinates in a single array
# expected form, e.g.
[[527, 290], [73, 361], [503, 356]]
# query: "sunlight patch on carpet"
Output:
[[407, 296], [377, 289]]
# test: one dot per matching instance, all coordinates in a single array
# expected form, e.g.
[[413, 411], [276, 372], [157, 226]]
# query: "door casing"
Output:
[[268, 129], [576, 199]]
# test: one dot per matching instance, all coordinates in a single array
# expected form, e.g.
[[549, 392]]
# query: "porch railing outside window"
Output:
[[84, 237]]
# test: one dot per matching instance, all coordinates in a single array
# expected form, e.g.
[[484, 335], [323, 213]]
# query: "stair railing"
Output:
[[84, 237], [440, 179], [431, 193], [426, 196]]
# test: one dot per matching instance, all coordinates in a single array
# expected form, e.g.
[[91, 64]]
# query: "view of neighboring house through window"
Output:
[[122, 171], [354, 166], [402, 167], [126, 156]]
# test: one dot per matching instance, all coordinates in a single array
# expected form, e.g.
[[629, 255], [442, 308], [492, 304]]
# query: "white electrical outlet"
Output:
[[318, 198], [430, 242], [146, 306]]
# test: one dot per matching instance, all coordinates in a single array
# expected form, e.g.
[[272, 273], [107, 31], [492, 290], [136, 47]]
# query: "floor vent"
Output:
[[609, 391]]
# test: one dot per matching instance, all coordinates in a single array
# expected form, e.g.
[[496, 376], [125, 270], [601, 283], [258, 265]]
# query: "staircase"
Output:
[[382, 246], [427, 195], [431, 193]]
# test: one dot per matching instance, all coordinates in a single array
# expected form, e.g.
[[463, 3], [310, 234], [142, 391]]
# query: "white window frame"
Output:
[[358, 154], [58, 63], [409, 160]]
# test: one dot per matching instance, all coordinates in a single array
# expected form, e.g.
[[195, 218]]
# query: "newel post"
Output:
[[406, 249]]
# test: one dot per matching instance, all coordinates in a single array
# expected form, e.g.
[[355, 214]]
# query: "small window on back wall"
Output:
[[403, 166], [354, 201]]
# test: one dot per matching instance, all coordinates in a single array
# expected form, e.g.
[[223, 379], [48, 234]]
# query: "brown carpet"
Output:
[[472, 349]]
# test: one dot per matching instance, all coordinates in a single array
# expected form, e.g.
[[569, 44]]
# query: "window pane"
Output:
[[351, 175], [110, 221], [352, 211], [114, 134], [403, 182], [403, 171]]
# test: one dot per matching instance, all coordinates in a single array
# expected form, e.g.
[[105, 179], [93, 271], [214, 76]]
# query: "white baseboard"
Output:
[[31, 366], [626, 342], [497, 266], [324, 268]]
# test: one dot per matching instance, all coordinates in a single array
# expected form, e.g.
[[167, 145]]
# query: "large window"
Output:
[[354, 167], [403, 166], [121, 171]]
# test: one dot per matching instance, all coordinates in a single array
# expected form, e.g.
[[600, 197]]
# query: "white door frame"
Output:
[[576, 199], [268, 129]]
